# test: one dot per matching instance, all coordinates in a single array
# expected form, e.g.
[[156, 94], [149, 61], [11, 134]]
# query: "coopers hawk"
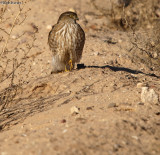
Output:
[[66, 41]]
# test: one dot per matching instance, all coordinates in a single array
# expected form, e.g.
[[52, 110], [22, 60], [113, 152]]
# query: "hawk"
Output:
[[66, 41]]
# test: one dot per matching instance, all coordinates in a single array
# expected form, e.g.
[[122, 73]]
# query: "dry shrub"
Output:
[[140, 14], [127, 14], [16, 46], [146, 47], [142, 20]]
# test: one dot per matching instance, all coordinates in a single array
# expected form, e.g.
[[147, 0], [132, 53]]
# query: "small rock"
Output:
[[111, 105], [149, 96], [23, 40], [96, 53], [124, 2], [140, 103], [155, 55], [24, 135], [63, 121], [75, 110], [140, 85], [88, 17], [64, 131], [135, 137], [17, 141], [120, 40], [81, 120], [90, 108], [116, 147], [13, 37], [111, 40], [152, 43], [158, 12], [157, 113], [49, 27]]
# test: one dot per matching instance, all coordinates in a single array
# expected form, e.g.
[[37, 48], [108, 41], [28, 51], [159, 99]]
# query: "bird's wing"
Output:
[[80, 42], [49, 35], [53, 37]]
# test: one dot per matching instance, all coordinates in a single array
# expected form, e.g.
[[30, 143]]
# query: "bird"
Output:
[[66, 41]]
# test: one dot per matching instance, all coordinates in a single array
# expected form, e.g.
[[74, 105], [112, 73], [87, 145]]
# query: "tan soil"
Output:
[[110, 117]]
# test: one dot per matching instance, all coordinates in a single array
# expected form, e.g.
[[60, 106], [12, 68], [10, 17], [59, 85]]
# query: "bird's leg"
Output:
[[66, 69], [70, 64]]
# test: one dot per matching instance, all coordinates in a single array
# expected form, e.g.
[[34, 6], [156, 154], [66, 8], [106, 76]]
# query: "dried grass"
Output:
[[13, 59]]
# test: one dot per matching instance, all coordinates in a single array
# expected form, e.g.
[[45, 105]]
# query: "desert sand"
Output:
[[99, 107]]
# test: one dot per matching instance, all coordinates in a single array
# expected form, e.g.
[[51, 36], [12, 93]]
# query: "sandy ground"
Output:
[[94, 109]]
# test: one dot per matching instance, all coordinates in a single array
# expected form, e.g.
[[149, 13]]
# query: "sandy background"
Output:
[[99, 109]]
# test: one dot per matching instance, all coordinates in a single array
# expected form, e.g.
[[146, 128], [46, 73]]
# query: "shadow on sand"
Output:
[[115, 69]]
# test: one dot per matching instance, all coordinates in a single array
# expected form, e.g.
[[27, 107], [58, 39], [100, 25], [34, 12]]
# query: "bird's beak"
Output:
[[77, 18]]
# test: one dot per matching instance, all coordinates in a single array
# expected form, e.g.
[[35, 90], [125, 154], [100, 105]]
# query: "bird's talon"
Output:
[[70, 64], [66, 69]]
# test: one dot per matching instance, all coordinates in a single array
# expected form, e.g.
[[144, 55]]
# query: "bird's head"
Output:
[[68, 16]]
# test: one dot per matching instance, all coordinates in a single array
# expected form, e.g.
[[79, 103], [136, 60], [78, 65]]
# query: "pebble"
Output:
[[149, 96], [152, 43], [64, 131], [24, 135], [90, 108], [96, 53], [75, 110], [111, 105], [63, 121], [116, 147], [155, 55], [119, 40], [81, 120], [49, 27], [140, 85], [140, 103], [158, 12], [88, 17], [13, 37], [135, 137]]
